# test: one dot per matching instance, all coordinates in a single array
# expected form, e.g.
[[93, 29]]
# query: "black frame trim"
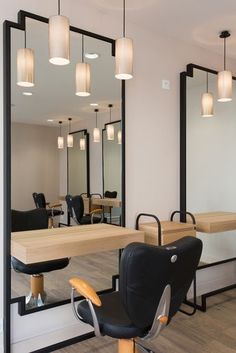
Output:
[[7, 26]]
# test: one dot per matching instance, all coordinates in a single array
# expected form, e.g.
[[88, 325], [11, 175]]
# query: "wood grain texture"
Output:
[[84, 288], [210, 332], [49, 244], [215, 222], [171, 231], [106, 202]]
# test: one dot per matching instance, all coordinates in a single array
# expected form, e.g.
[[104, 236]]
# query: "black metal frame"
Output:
[[183, 167], [7, 26]]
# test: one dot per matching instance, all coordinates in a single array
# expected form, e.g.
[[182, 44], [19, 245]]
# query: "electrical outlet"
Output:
[[165, 84]]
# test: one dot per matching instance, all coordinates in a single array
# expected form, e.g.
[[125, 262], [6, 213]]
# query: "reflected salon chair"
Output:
[[52, 210], [33, 220], [110, 195], [75, 205], [154, 281]]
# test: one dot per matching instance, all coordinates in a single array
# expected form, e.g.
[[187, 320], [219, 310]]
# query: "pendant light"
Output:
[[124, 55], [119, 137], [82, 144], [59, 38], [60, 139], [207, 102], [110, 127], [82, 76], [96, 131], [70, 138], [25, 66], [225, 82]]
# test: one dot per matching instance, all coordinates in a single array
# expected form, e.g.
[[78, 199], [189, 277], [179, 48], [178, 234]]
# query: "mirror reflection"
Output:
[[211, 170], [46, 167]]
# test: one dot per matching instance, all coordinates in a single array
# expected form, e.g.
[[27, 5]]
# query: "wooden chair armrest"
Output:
[[84, 289], [54, 204], [97, 210]]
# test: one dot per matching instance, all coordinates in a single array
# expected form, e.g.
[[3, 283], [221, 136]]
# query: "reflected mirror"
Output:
[[41, 165], [208, 187]]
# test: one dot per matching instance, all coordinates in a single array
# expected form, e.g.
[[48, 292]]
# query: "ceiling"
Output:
[[195, 21]]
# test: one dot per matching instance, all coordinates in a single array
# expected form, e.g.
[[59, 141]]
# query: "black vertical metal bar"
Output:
[[183, 126], [123, 148], [7, 185]]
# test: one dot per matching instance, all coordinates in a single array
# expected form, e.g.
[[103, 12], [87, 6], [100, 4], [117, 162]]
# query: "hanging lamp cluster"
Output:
[[224, 85]]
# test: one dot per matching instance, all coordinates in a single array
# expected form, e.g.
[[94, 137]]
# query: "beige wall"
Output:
[[35, 164]]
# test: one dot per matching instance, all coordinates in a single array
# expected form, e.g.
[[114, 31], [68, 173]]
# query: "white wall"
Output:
[[152, 115], [35, 161]]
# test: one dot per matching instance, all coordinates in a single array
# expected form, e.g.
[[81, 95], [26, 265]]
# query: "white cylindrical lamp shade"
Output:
[[119, 137], [225, 86], [25, 67], [82, 144], [59, 40], [110, 132], [124, 58], [60, 142], [83, 80], [207, 105], [96, 135], [70, 140]]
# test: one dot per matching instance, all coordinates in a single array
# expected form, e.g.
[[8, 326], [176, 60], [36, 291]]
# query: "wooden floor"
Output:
[[210, 332]]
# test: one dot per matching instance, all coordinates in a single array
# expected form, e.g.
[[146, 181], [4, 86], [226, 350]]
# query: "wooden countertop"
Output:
[[215, 222], [106, 202], [49, 244], [170, 231]]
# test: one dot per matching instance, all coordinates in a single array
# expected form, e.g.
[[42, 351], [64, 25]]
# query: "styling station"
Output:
[[119, 209]]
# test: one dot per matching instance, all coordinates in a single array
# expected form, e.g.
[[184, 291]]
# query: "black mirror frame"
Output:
[[183, 129], [7, 26]]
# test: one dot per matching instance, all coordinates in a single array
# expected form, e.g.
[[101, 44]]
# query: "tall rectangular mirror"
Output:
[[43, 166]]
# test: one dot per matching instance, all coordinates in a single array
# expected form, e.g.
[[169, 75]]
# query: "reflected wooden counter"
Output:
[[170, 231], [215, 222], [49, 244], [106, 202]]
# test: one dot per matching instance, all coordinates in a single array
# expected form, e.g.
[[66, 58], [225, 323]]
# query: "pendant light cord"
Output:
[[96, 119], [124, 18], [224, 54], [110, 114], [82, 54], [207, 82], [60, 127], [59, 7], [25, 37]]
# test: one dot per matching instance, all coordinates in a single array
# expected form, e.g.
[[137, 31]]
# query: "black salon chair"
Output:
[[154, 281], [52, 210], [32, 220], [75, 205], [110, 195]]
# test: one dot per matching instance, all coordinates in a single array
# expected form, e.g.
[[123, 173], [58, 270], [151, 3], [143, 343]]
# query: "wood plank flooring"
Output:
[[210, 332]]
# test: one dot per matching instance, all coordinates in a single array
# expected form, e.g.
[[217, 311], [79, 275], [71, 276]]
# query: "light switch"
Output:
[[165, 84]]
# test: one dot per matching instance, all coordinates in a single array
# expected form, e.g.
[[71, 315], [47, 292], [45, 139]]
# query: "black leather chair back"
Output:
[[146, 270], [75, 206], [110, 194], [29, 220], [39, 200]]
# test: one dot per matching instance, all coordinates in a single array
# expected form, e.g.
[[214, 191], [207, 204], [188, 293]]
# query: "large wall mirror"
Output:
[[38, 162], [208, 160]]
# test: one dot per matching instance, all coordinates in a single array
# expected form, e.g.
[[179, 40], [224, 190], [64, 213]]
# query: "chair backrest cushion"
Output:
[[110, 194], [145, 270], [75, 206], [29, 220], [39, 200]]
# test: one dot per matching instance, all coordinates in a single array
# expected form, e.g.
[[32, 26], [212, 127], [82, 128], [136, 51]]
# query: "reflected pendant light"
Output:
[[124, 55], [96, 131], [60, 139], [59, 38], [110, 127], [70, 139], [224, 80], [83, 76], [119, 137], [82, 144], [25, 66], [207, 102]]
